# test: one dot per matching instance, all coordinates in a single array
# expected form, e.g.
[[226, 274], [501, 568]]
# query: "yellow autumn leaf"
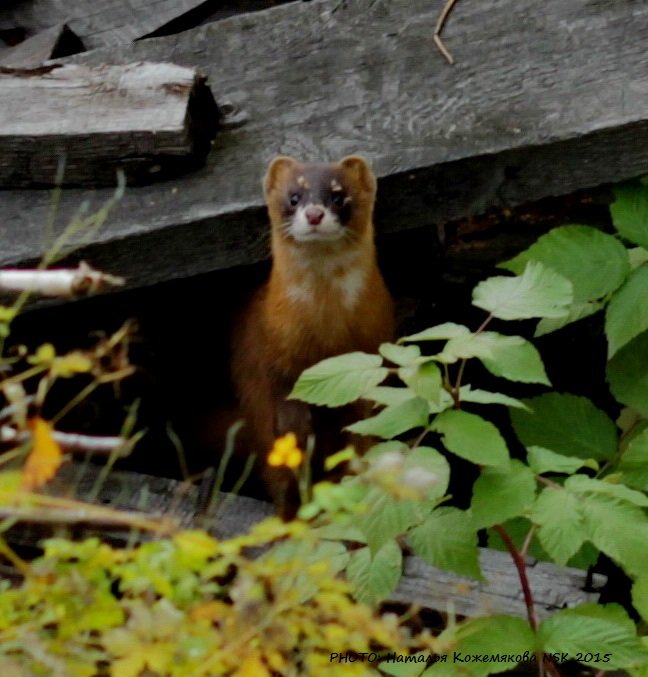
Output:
[[75, 362], [45, 457], [252, 666], [44, 354]]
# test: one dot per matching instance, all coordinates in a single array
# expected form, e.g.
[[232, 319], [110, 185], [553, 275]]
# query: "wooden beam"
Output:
[[426, 586], [149, 119], [543, 99]]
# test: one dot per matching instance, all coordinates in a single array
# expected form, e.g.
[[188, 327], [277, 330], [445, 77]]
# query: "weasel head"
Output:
[[320, 203]]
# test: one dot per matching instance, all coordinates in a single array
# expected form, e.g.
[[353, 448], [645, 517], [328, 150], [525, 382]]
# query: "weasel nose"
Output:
[[314, 215]]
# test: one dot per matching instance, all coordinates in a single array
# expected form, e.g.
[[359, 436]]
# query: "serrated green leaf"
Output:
[[339, 380], [374, 578], [594, 262], [510, 357], [431, 461], [339, 531], [577, 311], [627, 374], [394, 420], [400, 355], [388, 395], [424, 379], [466, 394], [448, 540], [618, 528], [388, 517], [544, 460], [580, 484], [594, 629], [502, 493], [447, 330], [471, 437], [640, 596], [630, 211], [567, 424], [638, 256], [562, 530], [634, 462], [537, 292], [627, 312]]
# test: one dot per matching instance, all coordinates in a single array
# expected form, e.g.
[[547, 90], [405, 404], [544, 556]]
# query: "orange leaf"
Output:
[[45, 457]]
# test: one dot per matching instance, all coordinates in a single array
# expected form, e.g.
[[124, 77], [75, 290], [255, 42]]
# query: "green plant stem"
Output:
[[462, 365]]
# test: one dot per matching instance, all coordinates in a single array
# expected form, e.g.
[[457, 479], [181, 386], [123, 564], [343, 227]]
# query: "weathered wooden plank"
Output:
[[421, 584], [544, 99], [149, 119], [53, 43], [553, 587], [98, 22]]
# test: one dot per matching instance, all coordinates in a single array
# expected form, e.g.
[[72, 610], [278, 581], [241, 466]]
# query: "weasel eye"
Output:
[[294, 199], [337, 198]]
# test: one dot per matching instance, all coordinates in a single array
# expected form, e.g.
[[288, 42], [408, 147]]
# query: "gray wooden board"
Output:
[[145, 117], [57, 41], [98, 22], [544, 99], [553, 587]]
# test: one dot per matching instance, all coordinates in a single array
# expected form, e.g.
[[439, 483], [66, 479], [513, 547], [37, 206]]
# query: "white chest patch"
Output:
[[300, 292], [351, 284]]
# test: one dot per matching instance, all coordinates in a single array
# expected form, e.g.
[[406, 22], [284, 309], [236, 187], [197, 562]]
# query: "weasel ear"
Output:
[[362, 173], [279, 166]]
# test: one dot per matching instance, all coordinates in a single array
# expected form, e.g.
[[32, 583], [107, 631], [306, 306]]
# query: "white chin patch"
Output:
[[327, 229]]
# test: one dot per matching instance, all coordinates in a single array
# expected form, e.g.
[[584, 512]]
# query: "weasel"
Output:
[[325, 296]]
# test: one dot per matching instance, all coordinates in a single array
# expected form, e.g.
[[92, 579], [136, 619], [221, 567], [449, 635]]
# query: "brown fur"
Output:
[[277, 336]]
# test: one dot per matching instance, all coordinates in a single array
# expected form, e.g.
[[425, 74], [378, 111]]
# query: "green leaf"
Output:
[[538, 292], [510, 357], [501, 493], [339, 380], [448, 540], [394, 420], [580, 484], [466, 394], [594, 629], [638, 256], [627, 374], [388, 517], [400, 355], [388, 395], [444, 331], [594, 262], [430, 460], [634, 462], [424, 379], [544, 460], [495, 635], [618, 528], [471, 437], [630, 211], [640, 596], [627, 312], [375, 578], [566, 424], [577, 311], [518, 530], [562, 530]]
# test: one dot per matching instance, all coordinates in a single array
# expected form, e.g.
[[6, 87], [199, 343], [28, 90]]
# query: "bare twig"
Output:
[[63, 282], [72, 442], [445, 12]]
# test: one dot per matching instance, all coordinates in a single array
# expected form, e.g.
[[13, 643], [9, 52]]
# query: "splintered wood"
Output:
[[149, 119]]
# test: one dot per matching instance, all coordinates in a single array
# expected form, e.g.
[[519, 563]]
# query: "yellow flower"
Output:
[[285, 452]]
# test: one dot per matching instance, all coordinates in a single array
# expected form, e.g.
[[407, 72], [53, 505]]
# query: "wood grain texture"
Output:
[[147, 118], [553, 587], [99, 23], [543, 100]]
